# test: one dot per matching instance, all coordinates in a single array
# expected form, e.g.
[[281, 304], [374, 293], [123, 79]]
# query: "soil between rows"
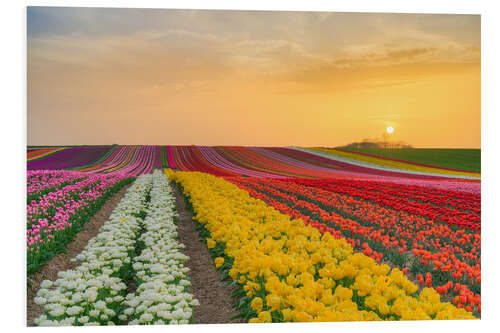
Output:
[[62, 261], [216, 304]]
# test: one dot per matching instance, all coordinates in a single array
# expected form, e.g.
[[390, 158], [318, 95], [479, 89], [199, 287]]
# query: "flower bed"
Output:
[[40, 182], [403, 165], [93, 292], [138, 244], [67, 157], [55, 218], [287, 271], [450, 207], [448, 258], [161, 296]]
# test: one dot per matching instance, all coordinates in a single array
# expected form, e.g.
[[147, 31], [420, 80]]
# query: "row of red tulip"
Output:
[[439, 197], [443, 207]]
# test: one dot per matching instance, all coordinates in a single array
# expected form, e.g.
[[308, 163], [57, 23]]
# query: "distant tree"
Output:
[[366, 143]]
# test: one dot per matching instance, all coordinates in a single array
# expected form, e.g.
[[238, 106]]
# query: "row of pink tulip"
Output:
[[54, 218], [40, 182], [447, 185]]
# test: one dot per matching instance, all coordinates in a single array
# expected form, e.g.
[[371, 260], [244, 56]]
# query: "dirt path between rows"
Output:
[[62, 261], [206, 285]]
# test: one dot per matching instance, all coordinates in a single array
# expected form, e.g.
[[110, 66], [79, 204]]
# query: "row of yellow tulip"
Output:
[[395, 164], [290, 272]]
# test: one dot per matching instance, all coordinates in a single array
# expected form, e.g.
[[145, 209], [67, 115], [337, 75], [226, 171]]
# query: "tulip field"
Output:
[[298, 234]]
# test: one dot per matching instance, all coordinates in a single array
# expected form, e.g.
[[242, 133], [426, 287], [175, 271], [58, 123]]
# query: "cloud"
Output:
[[254, 40], [153, 63], [408, 53], [191, 65], [357, 74]]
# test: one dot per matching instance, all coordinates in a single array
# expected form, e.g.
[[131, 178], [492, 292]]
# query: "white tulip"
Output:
[[46, 284], [40, 300], [94, 313]]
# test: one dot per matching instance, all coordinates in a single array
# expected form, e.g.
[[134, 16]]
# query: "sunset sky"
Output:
[[209, 77]]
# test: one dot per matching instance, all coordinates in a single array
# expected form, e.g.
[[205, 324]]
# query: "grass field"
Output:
[[461, 159]]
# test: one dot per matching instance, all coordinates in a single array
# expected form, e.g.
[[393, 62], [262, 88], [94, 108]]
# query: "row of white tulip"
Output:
[[161, 296], [93, 293]]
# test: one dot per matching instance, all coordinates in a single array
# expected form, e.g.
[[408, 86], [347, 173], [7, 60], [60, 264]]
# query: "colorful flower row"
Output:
[[287, 271], [448, 256], [395, 164], [347, 229], [386, 154], [34, 154], [449, 185], [93, 292], [161, 296], [438, 197], [453, 208], [40, 182], [271, 162], [68, 157], [56, 217], [130, 160]]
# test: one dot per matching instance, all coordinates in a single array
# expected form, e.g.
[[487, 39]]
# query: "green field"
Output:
[[461, 159]]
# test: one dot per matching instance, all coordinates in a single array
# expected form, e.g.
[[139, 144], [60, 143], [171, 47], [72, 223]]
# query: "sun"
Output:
[[390, 129]]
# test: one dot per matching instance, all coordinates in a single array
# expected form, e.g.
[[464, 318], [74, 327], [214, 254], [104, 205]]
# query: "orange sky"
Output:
[[137, 76]]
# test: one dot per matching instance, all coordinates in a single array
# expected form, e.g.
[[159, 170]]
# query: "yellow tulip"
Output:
[[255, 321], [287, 314], [302, 316], [265, 316], [291, 280], [219, 261], [257, 304], [273, 301], [211, 243], [343, 293]]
